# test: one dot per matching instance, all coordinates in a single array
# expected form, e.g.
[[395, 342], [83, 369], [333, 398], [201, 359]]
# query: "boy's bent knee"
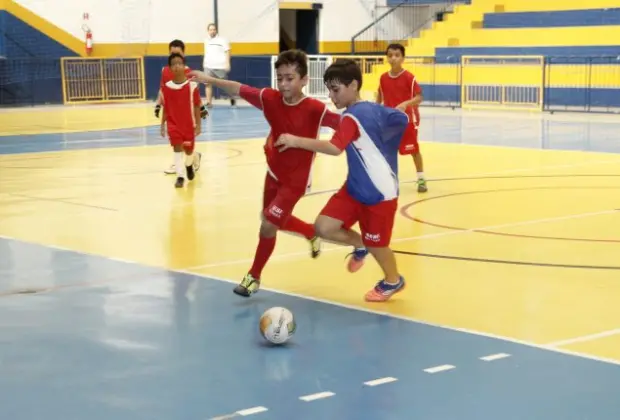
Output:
[[325, 225], [268, 229]]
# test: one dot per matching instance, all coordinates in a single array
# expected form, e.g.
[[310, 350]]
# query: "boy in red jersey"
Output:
[[176, 46], [286, 110], [181, 116], [399, 89]]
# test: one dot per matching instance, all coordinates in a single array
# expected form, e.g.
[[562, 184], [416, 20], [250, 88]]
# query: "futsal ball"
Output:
[[277, 325]]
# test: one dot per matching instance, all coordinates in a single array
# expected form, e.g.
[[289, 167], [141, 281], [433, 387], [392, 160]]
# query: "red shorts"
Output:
[[409, 143], [376, 221], [279, 200], [177, 138]]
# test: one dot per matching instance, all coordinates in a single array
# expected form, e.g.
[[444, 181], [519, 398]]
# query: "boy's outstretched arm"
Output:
[[232, 88], [346, 133]]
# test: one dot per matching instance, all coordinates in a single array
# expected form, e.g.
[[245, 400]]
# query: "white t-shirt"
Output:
[[215, 53]]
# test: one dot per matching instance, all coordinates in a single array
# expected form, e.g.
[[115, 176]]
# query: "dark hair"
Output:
[[400, 47], [293, 57], [343, 71], [177, 43], [173, 56]]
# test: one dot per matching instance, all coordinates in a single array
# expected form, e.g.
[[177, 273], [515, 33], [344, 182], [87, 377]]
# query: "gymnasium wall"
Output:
[[145, 27]]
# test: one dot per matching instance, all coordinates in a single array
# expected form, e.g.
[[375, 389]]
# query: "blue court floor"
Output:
[[114, 340], [87, 337]]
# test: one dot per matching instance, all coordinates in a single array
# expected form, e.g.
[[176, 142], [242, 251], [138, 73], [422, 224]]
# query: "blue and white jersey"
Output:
[[373, 157]]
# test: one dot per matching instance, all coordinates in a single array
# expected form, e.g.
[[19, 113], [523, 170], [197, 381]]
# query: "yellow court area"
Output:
[[512, 242]]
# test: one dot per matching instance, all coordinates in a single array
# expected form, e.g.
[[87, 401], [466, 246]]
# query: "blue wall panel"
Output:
[[21, 40], [252, 70]]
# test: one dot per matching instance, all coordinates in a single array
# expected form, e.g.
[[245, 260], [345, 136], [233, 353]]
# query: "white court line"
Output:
[[584, 338], [419, 237], [317, 396], [250, 411], [493, 357], [380, 381], [512, 340], [438, 369]]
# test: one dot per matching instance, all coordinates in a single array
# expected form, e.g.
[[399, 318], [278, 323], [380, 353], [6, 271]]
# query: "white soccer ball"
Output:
[[277, 325]]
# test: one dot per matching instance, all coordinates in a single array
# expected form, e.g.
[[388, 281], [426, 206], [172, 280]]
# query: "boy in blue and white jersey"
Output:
[[370, 134]]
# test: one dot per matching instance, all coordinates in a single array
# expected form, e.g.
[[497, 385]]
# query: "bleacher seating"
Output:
[[580, 41], [571, 27]]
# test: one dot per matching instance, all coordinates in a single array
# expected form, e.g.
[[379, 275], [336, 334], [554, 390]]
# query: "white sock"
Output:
[[178, 164], [420, 175], [189, 159]]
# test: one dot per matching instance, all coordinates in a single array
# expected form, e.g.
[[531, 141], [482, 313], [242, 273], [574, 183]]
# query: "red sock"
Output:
[[263, 252], [296, 225]]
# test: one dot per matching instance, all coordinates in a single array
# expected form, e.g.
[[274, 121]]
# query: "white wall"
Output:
[[248, 20], [159, 21], [128, 21], [341, 19]]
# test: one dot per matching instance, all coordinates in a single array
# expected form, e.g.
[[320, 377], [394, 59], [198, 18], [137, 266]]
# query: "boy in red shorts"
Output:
[[399, 89], [288, 174], [176, 46], [371, 135], [181, 117]]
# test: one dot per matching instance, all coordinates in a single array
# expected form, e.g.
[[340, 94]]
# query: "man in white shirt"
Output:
[[216, 60]]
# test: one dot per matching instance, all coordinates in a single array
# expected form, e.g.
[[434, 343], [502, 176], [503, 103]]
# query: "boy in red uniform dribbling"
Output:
[[399, 89], [181, 117], [287, 110]]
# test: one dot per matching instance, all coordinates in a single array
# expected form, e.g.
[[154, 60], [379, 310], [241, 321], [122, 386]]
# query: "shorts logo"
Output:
[[373, 237], [276, 211], [408, 146]]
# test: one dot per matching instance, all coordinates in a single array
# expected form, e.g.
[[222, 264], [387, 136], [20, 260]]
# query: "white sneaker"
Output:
[[197, 160], [171, 170]]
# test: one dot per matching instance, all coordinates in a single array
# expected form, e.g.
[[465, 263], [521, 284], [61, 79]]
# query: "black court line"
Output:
[[62, 201], [405, 212], [510, 262]]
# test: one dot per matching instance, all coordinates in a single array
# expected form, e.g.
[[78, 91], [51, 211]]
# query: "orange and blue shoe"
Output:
[[383, 291], [358, 256]]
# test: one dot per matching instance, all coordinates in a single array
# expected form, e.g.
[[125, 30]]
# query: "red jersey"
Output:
[[179, 100], [167, 75], [398, 89], [303, 119]]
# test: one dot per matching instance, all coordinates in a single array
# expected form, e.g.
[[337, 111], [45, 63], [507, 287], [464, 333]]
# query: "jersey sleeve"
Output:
[[416, 89], [196, 97], [346, 133], [257, 97], [331, 120]]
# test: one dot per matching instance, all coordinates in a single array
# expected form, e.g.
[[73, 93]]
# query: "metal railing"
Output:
[[581, 84], [398, 23], [88, 80]]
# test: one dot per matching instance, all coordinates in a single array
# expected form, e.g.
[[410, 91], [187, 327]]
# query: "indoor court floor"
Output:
[[512, 309]]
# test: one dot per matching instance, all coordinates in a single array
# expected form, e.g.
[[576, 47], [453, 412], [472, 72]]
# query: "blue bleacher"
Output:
[[553, 19]]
